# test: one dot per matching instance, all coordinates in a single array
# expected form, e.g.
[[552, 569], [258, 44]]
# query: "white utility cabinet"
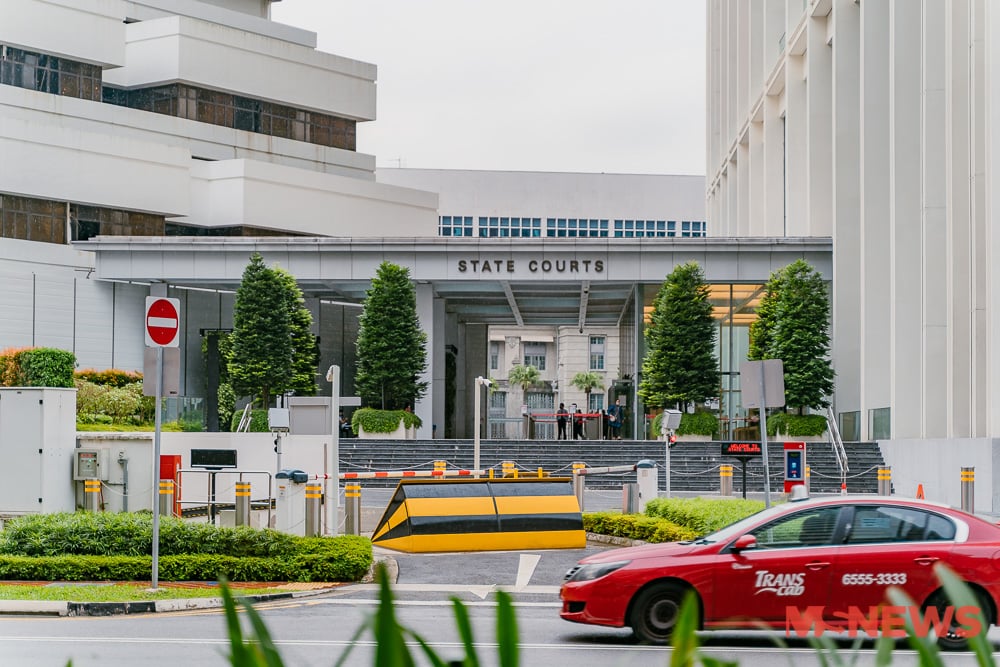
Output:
[[37, 440]]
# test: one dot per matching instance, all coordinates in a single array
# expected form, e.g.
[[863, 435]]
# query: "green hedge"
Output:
[[636, 527], [697, 423], [113, 377], [702, 515], [37, 367], [382, 421], [88, 545], [258, 421], [796, 424]]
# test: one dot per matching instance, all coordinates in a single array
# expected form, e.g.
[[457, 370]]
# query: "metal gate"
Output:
[[544, 405]]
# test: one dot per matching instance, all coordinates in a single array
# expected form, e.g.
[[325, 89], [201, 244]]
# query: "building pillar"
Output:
[[424, 407]]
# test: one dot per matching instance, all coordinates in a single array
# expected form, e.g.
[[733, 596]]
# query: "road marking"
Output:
[[431, 603], [479, 591], [525, 568]]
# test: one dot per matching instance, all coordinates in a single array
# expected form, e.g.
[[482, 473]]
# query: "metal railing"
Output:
[[838, 445]]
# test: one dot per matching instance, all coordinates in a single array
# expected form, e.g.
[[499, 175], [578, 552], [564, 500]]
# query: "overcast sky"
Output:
[[548, 85]]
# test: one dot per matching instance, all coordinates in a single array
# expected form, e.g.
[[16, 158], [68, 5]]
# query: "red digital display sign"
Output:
[[741, 449]]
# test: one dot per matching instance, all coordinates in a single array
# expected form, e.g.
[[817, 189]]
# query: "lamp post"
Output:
[[333, 511], [480, 383]]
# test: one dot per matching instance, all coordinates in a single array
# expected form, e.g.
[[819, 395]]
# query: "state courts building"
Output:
[[151, 146]]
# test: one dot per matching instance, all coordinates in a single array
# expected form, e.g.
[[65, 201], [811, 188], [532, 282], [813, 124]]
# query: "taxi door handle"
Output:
[[925, 560], [817, 565]]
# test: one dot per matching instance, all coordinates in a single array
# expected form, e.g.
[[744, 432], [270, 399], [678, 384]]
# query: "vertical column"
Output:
[[92, 495], [885, 481], [242, 503], [819, 101], [579, 482], [166, 497], [314, 503], [969, 489], [424, 408], [352, 509], [726, 479]]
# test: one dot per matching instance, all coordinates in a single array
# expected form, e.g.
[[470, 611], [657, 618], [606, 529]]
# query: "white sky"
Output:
[[613, 86]]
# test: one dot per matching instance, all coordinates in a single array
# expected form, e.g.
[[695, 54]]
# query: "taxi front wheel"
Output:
[[655, 612], [956, 639]]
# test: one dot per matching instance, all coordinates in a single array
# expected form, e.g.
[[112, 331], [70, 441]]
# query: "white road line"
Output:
[[525, 568], [480, 591], [430, 603]]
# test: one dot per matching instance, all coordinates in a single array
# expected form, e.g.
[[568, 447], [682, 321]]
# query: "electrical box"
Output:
[[90, 464], [277, 419]]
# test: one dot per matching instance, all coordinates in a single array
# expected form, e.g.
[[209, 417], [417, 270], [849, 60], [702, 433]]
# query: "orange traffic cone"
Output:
[[843, 488], [920, 492]]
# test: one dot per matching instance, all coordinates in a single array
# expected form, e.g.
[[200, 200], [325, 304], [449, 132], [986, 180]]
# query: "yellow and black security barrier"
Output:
[[435, 515]]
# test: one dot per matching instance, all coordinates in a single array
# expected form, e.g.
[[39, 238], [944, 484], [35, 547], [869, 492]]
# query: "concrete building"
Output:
[[874, 124]]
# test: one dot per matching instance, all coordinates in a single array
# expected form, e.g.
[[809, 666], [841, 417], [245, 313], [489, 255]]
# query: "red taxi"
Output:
[[831, 557]]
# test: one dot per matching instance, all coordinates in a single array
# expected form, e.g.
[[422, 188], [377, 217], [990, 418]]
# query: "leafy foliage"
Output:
[[305, 352], [36, 367], [698, 423], [261, 355], [587, 382], [524, 376], [702, 515], [113, 377], [391, 347], [680, 364], [258, 421], [796, 424], [794, 325], [382, 421], [636, 527]]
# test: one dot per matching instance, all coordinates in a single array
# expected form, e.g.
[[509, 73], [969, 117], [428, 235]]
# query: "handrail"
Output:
[[245, 420], [838, 445]]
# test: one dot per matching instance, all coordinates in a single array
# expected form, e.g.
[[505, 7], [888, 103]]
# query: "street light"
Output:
[[480, 382]]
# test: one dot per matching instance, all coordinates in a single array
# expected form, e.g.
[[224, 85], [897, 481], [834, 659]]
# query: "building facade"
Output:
[[874, 124]]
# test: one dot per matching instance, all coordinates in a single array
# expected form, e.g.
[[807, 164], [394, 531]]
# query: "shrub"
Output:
[[112, 377], [698, 423], [700, 514], [790, 424], [36, 367], [636, 527], [10, 366], [382, 421]]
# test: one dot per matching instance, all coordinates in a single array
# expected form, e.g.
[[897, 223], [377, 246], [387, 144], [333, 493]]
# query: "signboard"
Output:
[[768, 377], [162, 322], [171, 371], [742, 449]]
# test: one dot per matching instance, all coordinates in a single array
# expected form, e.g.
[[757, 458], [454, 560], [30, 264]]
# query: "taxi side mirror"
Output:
[[744, 542]]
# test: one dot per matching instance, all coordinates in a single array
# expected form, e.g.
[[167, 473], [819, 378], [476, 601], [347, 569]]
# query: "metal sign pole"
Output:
[[156, 467], [763, 439]]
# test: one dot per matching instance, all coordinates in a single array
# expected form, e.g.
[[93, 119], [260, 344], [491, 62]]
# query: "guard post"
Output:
[[726, 479], [314, 503], [166, 498], [92, 495], [352, 509], [968, 489], [242, 503], [885, 481]]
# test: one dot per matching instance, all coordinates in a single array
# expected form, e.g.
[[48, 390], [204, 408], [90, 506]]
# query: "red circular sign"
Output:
[[162, 322]]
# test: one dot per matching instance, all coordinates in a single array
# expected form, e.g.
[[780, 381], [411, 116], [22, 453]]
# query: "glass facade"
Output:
[[558, 228], [49, 74]]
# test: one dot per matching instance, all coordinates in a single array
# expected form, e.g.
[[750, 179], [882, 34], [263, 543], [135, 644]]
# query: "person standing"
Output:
[[615, 416], [577, 423], [562, 416]]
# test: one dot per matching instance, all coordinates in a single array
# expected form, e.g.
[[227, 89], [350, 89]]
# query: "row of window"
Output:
[[510, 227], [535, 354], [49, 74]]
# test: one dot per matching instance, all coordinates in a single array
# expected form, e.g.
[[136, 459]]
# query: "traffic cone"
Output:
[[920, 492], [843, 488]]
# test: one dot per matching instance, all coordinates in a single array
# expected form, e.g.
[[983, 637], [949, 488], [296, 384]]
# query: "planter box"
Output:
[[782, 437], [401, 433], [691, 437]]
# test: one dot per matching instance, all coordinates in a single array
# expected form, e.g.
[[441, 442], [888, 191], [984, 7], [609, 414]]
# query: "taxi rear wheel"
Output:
[[656, 611], [955, 640]]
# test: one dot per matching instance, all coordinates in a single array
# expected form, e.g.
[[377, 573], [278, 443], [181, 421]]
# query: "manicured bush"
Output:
[[698, 423], [790, 424], [36, 367], [98, 546], [702, 515], [382, 421], [636, 527], [111, 377]]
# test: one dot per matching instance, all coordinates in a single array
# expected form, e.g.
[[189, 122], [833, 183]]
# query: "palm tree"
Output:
[[588, 381], [525, 376]]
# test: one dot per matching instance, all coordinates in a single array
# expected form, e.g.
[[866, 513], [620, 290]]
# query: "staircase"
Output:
[[694, 466]]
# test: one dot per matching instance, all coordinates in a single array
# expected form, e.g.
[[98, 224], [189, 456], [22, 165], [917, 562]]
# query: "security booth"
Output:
[[795, 464]]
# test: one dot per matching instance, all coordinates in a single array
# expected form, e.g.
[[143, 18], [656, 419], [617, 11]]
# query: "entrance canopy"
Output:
[[585, 281]]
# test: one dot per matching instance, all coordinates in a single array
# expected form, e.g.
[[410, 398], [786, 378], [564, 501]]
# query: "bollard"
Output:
[[579, 482], [166, 497], [352, 509], [885, 481], [726, 479], [968, 489], [509, 469], [242, 503], [630, 498], [440, 465], [92, 495], [541, 472], [314, 502], [808, 475]]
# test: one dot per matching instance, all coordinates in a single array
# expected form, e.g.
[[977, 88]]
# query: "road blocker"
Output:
[[435, 515]]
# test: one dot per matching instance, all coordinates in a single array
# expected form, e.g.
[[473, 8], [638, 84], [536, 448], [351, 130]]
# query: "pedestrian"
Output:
[[562, 416], [577, 423], [615, 416]]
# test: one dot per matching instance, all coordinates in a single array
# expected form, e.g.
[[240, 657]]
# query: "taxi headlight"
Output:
[[596, 570]]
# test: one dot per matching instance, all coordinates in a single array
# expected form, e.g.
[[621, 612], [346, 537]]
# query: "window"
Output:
[[596, 402], [534, 355], [597, 353], [809, 528], [495, 356], [455, 225], [897, 524]]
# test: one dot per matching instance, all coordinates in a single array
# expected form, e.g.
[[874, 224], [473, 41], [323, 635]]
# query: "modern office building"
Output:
[[873, 124], [151, 146]]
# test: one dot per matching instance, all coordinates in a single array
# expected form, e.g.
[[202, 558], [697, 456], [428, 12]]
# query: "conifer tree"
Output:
[[391, 347], [305, 355]]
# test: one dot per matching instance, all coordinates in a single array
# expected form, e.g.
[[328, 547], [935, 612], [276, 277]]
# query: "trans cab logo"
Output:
[[782, 585]]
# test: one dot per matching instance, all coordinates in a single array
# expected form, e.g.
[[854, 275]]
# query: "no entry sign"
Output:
[[162, 322]]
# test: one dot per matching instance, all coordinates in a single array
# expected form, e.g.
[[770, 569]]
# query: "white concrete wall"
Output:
[[937, 464], [87, 30], [218, 57]]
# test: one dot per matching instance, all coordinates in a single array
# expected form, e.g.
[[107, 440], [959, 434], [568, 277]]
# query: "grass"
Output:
[[119, 592]]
